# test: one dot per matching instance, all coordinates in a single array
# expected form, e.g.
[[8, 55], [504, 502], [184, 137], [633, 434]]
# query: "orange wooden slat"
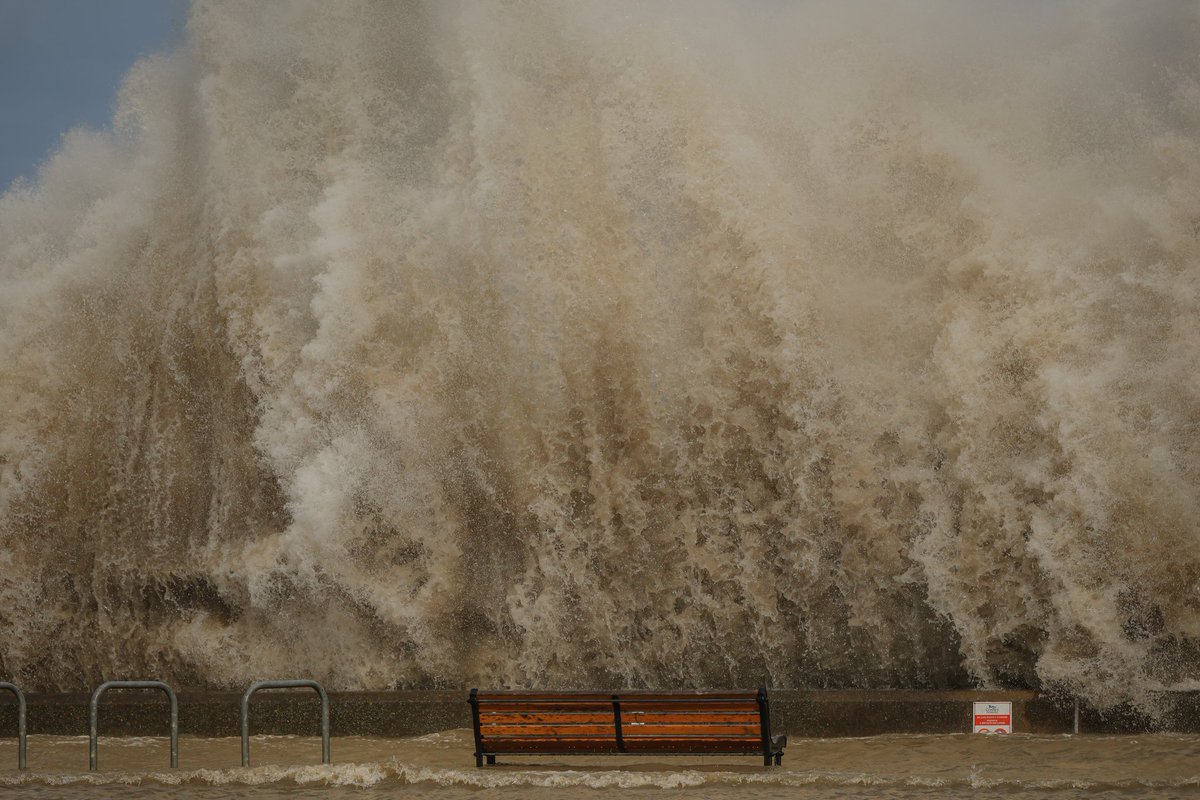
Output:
[[550, 745], [690, 730], [562, 731], [717, 717], [542, 708], [610, 746], [689, 697], [693, 746], [541, 697], [553, 718]]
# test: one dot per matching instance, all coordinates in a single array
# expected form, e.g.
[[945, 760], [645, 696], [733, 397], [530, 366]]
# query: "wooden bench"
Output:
[[602, 723]]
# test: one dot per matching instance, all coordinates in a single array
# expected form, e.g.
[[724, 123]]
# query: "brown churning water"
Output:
[[441, 767], [586, 344]]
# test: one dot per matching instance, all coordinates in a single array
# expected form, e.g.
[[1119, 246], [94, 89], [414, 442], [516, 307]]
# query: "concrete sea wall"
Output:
[[411, 713]]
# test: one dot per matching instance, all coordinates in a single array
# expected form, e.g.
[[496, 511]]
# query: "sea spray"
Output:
[[576, 344]]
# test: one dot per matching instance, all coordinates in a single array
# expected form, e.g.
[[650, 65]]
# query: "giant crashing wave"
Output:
[[578, 345]]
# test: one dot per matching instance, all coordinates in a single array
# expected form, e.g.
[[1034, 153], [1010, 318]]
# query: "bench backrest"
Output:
[[623, 722]]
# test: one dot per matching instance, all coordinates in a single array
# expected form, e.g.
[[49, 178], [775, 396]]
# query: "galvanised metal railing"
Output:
[[94, 708], [12, 687], [292, 684]]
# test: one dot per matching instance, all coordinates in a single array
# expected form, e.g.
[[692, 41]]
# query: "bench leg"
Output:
[[767, 760], [491, 759], [478, 760]]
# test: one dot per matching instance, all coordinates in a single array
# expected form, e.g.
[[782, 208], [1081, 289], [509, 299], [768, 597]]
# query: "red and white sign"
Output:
[[992, 717]]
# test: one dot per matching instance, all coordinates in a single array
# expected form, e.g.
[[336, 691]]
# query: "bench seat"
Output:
[[605, 723]]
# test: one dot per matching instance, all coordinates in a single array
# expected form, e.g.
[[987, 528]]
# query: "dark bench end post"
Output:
[[764, 721], [474, 701]]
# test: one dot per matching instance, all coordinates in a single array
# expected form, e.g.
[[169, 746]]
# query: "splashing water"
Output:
[[582, 344]]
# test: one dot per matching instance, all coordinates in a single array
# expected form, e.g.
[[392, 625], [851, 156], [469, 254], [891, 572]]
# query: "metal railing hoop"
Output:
[[286, 684], [21, 719], [93, 714]]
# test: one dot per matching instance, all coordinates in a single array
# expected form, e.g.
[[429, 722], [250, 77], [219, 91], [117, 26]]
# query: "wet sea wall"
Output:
[[415, 713]]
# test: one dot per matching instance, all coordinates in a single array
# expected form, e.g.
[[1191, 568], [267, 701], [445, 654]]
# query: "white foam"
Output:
[[564, 344]]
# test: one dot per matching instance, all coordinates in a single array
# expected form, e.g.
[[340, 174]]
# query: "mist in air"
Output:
[[576, 344]]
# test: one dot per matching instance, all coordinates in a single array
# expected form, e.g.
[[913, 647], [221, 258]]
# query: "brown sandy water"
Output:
[[441, 766]]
